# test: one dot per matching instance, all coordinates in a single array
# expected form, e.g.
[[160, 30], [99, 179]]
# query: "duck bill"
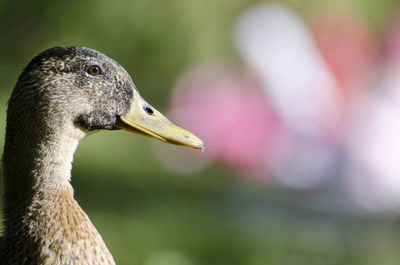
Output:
[[144, 119]]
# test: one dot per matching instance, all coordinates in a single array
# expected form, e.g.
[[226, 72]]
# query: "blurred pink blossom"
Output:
[[320, 102]]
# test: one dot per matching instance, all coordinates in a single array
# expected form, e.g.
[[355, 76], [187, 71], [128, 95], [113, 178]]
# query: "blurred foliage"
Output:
[[148, 216]]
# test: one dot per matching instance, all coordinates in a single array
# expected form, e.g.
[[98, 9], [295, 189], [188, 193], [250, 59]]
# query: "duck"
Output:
[[63, 95]]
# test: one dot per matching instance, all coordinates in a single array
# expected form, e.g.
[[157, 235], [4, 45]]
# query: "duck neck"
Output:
[[36, 164]]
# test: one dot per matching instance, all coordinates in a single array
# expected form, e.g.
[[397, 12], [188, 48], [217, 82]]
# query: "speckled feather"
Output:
[[54, 104]]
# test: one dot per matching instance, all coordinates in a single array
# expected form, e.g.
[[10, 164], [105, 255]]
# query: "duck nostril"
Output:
[[148, 110]]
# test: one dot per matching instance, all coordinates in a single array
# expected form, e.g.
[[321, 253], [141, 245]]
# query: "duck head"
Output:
[[92, 92]]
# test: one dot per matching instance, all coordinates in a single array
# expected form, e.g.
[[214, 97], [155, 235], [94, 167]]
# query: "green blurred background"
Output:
[[149, 216]]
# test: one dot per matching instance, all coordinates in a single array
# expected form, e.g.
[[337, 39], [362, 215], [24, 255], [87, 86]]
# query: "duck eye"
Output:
[[148, 110], [94, 70]]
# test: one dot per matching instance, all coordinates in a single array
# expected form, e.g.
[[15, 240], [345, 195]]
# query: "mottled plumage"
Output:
[[55, 103]]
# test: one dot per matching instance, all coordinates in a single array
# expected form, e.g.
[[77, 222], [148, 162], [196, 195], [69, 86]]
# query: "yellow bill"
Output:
[[144, 119]]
